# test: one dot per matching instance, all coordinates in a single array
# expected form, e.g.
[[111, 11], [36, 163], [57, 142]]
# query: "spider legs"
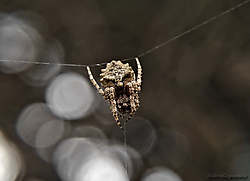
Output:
[[134, 89], [121, 115], [94, 82], [136, 94], [139, 74], [133, 102], [111, 92]]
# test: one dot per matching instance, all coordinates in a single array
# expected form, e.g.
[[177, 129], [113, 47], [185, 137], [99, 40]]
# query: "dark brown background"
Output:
[[198, 84]]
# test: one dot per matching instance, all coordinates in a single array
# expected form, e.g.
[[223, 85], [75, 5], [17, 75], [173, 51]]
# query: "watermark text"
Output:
[[226, 176]]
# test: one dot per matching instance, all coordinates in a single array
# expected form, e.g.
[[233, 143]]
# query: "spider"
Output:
[[121, 88]]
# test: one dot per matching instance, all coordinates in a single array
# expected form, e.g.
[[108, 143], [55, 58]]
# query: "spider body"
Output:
[[116, 73], [121, 88]]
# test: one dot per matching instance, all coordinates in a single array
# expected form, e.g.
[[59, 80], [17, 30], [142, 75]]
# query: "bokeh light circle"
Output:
[[49, 133], [140, 134], [161, 174], [35, 126], [40, 75], [70, 96], [90, 132], [11, 163], [132, 157], [19, 42], [81, 159]]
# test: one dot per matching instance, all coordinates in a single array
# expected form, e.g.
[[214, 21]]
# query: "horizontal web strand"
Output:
[[126, 59]]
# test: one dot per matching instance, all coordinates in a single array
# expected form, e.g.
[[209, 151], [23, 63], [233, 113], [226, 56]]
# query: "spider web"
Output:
[[141, 55]]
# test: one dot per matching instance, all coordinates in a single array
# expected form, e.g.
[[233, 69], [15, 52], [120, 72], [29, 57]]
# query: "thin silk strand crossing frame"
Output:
[[145, 53]]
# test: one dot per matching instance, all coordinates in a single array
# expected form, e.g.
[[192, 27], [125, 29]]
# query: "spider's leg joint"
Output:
[[139, 72], [99, 89], [113, 106]]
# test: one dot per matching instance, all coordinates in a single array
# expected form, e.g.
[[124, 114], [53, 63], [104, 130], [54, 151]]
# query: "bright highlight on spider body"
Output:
[[121, 88]]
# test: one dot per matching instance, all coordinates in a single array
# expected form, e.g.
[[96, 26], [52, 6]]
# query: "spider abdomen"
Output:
[[123, 103]]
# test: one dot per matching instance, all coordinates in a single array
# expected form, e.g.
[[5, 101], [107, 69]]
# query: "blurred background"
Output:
[[194, 116]]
